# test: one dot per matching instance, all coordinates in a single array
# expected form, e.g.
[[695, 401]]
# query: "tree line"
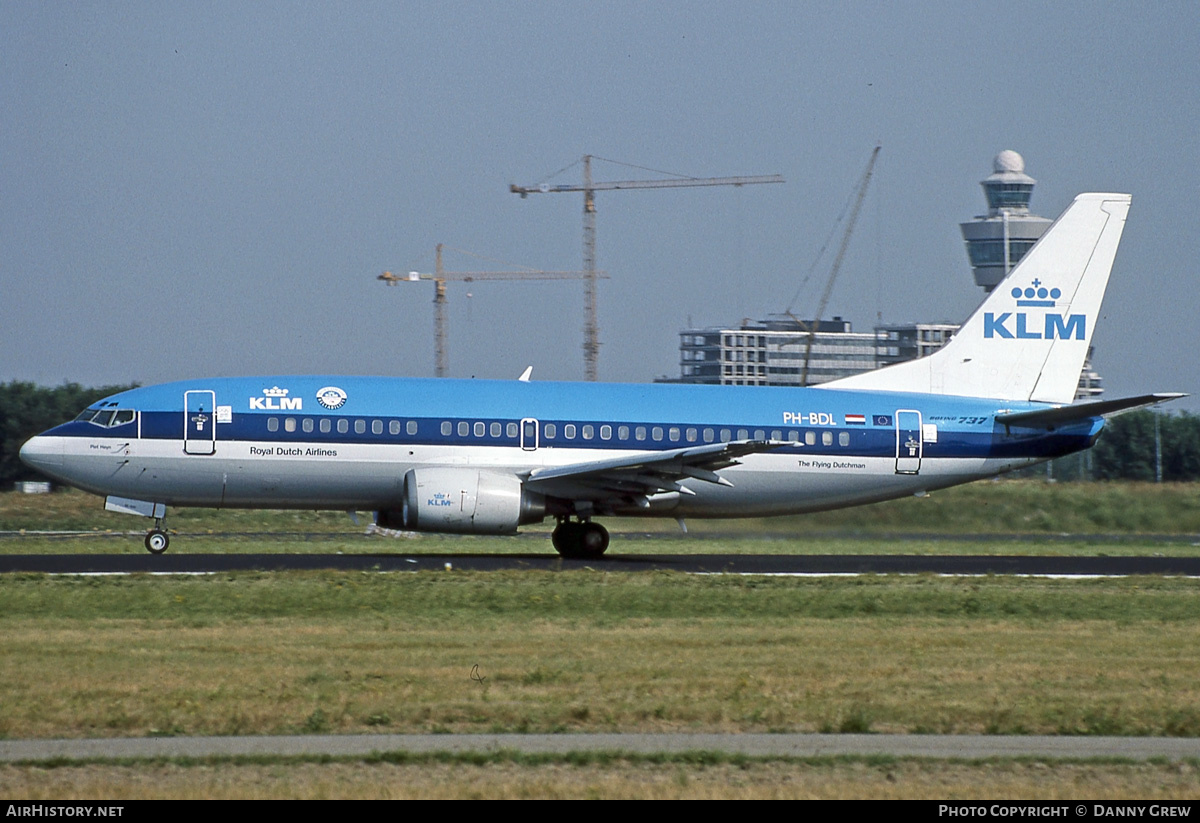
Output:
[[27, 409], [1128, 448]]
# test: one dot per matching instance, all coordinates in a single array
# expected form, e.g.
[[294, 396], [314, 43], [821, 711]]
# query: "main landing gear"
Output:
[[157, 539], [583, 540]]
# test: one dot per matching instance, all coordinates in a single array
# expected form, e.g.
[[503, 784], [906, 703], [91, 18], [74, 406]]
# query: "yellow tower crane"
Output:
[[591, 331], [440, 277]]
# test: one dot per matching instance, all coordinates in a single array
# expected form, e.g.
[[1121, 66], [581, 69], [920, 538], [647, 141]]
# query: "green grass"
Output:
[[698, 775], [337, 652], [994, 517], [590, 651]]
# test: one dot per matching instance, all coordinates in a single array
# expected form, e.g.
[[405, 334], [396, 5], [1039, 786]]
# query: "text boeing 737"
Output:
[[485, 457]]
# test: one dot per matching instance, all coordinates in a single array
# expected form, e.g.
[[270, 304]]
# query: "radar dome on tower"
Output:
[[1008, 187], [998, 240], [1008, 161]]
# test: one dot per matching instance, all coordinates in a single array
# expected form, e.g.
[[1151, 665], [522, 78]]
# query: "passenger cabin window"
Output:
[[511, 430], [495, 429], [343, 425], [589, 432], [569, 431], [272, 424], [550, 430], [464, 428], [394, 427], [326, 425], [360, 426], [447, 428], [376, 427], [411, 427]]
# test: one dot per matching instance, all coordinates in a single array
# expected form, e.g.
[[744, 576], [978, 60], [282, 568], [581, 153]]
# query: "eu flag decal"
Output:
[[883, 420]]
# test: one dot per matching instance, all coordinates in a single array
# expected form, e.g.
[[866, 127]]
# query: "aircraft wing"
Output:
[[635, 477], [1082, 411]]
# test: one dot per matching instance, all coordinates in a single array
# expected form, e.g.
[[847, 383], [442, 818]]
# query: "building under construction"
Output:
[[775, 351]]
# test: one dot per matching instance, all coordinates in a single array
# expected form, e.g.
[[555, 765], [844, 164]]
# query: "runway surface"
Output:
[[797, 564], [755, 745]]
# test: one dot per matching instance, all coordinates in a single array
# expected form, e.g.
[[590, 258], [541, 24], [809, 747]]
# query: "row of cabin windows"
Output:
[[570, 431], [326, 425]]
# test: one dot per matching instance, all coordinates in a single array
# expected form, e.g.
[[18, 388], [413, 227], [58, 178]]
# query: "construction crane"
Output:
[[837, 264], [440, 277], [591, 330]]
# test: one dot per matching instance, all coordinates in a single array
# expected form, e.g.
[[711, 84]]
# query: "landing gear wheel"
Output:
[[594, 540], [580, 541], [157, 541], [562, 537]]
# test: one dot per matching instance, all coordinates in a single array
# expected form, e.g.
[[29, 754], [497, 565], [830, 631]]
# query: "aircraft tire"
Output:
[[580, 541], [593, 541], [565, 537], [157, 541]]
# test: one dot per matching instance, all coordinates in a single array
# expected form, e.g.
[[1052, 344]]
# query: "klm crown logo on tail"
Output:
[[1028, 325]]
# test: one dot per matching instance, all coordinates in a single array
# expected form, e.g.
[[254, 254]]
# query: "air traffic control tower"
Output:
[[997, 241]]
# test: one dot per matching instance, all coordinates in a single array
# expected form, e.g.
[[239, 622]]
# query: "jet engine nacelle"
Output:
[[464, 501]]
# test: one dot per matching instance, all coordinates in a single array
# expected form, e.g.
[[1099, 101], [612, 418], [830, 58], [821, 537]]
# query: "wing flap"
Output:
[[645, 473]]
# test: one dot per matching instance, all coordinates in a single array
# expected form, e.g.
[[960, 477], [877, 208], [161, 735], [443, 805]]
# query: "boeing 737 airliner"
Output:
[[486, 457]]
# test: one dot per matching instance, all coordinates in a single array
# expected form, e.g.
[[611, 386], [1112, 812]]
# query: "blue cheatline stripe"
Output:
[[863, 441]]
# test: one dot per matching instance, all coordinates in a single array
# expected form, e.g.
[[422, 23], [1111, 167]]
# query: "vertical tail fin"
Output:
[[1029, 338]]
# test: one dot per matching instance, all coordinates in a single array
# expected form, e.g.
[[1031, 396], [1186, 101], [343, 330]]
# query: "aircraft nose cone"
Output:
[[43, 453]]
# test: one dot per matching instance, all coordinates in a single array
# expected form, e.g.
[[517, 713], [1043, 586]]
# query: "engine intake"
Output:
[[464, 501]]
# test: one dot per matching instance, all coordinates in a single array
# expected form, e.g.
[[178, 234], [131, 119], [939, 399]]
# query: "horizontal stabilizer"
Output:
[[1084, 411]]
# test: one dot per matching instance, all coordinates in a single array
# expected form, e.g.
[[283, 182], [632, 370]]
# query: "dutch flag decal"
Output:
[[856, 420]]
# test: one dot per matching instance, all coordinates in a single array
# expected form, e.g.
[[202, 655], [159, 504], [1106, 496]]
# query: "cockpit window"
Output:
[[107, 417]]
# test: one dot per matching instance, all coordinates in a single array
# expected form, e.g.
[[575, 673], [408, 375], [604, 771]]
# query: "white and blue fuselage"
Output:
[[273, 442]]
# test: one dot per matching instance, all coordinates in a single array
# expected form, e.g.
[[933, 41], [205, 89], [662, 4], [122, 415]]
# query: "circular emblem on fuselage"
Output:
[[331, 397]]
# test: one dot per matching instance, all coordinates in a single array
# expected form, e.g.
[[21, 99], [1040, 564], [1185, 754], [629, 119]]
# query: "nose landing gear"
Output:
[[583, 540], [157, 539]]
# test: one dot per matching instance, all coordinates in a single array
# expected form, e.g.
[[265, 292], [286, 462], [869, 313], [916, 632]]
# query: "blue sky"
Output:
[[197, 189]]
